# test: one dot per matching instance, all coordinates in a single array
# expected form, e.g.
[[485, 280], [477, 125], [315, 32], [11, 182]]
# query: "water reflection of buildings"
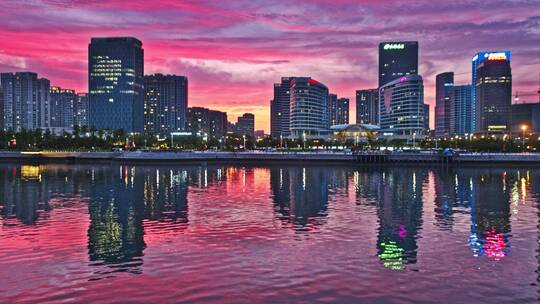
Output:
[[300, 194], [25, 196], [453, 194], [400, 216], [122, 199], [490, 214], [397, 196]]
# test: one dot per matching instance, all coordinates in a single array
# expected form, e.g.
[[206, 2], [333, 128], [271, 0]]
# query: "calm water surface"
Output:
[[279, 234]]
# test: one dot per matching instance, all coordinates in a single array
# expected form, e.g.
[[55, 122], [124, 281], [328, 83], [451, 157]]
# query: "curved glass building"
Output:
[[402, 106], [309, 108]]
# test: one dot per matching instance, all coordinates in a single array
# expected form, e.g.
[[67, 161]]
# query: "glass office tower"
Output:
[[115, 79]]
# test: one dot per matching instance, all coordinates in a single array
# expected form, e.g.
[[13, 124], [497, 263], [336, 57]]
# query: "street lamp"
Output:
[[523, 128], [245, 148], [304, 136], [281, 140]]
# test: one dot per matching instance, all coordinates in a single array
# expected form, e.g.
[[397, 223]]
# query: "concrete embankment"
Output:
[[321, 157]]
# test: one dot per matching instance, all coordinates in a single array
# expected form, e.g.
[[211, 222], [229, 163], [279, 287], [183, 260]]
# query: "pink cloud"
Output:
[[233, 51]]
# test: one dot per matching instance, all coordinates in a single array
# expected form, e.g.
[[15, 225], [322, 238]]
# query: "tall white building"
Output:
[[402, 106]]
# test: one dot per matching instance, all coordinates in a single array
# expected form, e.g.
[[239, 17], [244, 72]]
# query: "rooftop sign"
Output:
[[394, 46], [496, 56]]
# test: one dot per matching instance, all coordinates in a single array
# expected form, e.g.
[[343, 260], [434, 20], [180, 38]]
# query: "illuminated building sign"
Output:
[[496, 56], [394, 46]]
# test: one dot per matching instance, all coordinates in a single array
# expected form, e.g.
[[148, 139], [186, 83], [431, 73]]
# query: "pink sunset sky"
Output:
[[233, 51]]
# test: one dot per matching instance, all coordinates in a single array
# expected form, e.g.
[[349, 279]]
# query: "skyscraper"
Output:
[[210, 122], [1, 108], [165, 103], [397, 59], [309, 108], [218, 123], [43, 103], [426, 117], [460, 98], [402, 106], [338, 110], [332, 109], [62, 107], [367, 106], [477, 59], [115, 79], [493, 93], [81, 110], [444, 109], [342, 111], [280, 109], [25, 101], [246, 124]]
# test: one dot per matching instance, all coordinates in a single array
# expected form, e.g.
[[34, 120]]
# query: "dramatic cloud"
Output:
[[233, 51]]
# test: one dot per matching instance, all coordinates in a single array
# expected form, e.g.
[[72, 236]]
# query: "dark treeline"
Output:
[[85, 139]]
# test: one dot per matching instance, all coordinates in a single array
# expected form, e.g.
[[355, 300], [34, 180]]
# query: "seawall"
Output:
[[324, 157]]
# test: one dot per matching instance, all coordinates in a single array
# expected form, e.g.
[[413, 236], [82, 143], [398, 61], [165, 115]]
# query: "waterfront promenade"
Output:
[[321, 156]]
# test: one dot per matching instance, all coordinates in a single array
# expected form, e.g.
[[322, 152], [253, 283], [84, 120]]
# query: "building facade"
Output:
[[525, 115], [367, 106], [493, 94], [63, 102], [338, 110], [460, 98], [444, 109], [309, 108], [26, 101], [426, 117], [342, 113], [115, 79], [402, 106], [245, 125], [477, 59], [280, 109], [332, 109], [81, 110], [207, 122], [165, 103], [397, 59]]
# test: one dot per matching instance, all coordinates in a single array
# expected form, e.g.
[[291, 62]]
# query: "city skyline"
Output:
[[232, 53]]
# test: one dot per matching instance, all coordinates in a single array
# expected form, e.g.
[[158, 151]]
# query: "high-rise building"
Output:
[[338, 110], [25, 101], [115, 79], [81, 110], [246, 124], [397, 59], [402, 106], [43, 103], [426, 117], [165, 103], [460, 98], [342, 113], [477, 59], [526, 114], [210, 122], [198, 119], [309, 108], [493, 93], [444, 109], [332, 109], [367, 106], [1, 108], [280, 109], [63, 103]]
